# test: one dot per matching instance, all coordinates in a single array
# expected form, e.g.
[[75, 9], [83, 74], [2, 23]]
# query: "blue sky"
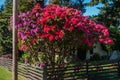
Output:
[[92, 10], [2, 2], [89, 10]]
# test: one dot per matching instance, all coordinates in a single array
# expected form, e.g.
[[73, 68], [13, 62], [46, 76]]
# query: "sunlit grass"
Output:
[[6, 75]]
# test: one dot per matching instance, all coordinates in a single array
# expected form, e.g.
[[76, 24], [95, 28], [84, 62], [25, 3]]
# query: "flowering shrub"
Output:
[[54, 30]]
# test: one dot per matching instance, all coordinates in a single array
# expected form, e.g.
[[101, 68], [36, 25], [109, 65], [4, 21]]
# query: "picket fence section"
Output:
[[99, 70]]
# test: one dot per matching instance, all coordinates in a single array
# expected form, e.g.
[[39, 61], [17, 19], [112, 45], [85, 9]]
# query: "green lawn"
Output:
[[6, 75]]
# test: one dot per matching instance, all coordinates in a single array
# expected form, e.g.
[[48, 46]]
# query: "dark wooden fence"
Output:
[[99, 70]]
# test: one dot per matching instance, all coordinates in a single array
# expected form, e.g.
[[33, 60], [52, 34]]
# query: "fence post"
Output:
[[27, 70], [119, 68], [87, 70], [44, 72]]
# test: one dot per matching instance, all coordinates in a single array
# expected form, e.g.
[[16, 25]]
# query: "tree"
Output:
[[8, 8], [5, 34], [1, 8], [24, 5], [115, 34], [5, 37], [57, 2], [77, 4], [110, 12], [109, 16]]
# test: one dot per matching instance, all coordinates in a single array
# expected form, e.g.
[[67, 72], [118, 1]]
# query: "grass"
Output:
[[6, 75]]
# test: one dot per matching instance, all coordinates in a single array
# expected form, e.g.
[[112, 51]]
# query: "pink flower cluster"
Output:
[[56, 20], [53, 22]]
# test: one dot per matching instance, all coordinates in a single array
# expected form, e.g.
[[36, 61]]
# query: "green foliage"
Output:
[[5, 37], [109, 16], [95, 57], [115, 34], [57, 2], [25, 55], [110, 12], [1, 8], [25, 5], [5, 33], [32, 57], [8, 7], [77, 4], [105, 57]]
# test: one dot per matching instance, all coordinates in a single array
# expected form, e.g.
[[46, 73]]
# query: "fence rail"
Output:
[[107, 70]]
